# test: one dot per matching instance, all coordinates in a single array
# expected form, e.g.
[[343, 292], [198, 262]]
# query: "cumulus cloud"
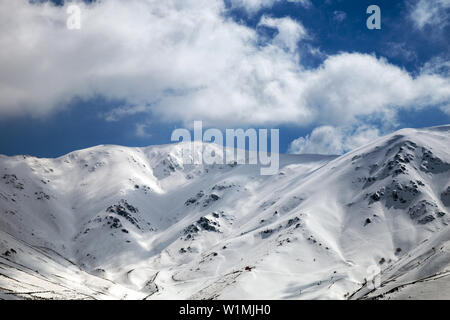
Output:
[[434, 13], [185, 60], [333, 140], [350, 85], [290, 32]]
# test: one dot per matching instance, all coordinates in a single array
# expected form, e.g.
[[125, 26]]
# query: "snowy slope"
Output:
[[112, 222]]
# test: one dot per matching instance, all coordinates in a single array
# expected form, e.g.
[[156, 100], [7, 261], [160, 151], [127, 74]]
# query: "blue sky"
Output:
[[103, 92]]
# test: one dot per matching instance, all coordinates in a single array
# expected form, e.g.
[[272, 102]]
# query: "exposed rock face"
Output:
[[124, 209], [195, 199], [210, 225], [445, 197], [13, 180], [425, 211]]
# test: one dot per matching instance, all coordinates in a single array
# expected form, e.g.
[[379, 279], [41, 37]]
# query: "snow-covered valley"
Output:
[[114, 222]]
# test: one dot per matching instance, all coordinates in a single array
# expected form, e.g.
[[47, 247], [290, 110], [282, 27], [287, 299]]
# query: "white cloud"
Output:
[[333, 140], [437, 65], [141, 130], [348, 85], [290, 32], [119, 112], [184, 60], [339, 16], [398, 49], [434, 13], [253, 6]]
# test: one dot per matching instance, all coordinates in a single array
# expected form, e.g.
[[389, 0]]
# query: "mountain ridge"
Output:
[[138, 223]]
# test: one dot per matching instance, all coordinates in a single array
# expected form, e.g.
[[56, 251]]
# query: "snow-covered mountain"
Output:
[[113, 222]]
